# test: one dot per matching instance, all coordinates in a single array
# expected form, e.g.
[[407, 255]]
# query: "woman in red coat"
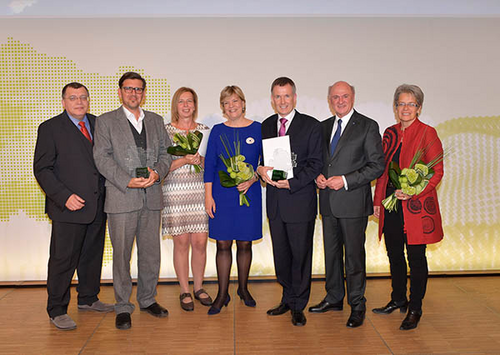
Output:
[[417, 221]]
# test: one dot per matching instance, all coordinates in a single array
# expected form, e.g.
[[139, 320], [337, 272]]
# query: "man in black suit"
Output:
[[64, 167], [353, 157], [292, 204]]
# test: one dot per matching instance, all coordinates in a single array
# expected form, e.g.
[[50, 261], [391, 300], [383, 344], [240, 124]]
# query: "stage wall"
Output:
[[454, 60]]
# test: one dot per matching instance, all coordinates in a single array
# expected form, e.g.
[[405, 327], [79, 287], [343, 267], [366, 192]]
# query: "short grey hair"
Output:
[[414, 90]]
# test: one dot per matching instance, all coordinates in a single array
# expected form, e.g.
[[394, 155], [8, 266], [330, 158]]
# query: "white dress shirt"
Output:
[[345, 121], [137, 123], [289, 118]]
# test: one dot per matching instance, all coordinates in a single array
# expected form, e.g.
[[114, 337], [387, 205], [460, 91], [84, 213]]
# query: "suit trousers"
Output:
[[143, 226], [292, 250], [79, 247], [345, 235], [395, 240]]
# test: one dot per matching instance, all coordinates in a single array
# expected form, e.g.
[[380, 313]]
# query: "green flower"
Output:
[[412, 180], [186, 144], [422, 169], [237, 170]]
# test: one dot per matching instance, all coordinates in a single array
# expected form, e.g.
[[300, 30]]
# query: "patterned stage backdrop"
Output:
[[31, 79]]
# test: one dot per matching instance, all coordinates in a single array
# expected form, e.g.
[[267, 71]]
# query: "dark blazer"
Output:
[[64, 165], [360, 158], [115, 154], [299, 204]]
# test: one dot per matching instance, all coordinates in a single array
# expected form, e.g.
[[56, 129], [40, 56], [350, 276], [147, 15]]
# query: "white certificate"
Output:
[[204, 142], [278, 154]]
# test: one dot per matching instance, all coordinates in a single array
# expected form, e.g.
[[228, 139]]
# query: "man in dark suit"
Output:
[[292, 204], [353, 157], [131, 152], [64, 167]]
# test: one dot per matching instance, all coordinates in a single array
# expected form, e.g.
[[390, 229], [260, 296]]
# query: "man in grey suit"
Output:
[[353, 157], [130, 151]]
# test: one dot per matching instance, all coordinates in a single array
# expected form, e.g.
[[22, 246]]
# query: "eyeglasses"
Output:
[[130, 89], [73, 98], [409, 104]]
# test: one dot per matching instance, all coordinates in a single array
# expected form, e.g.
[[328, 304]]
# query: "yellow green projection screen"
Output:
[[451, 59]]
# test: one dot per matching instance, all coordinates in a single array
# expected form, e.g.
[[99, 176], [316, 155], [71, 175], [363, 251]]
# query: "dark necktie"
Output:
[[336, 137], [282, 131], [84, 130]]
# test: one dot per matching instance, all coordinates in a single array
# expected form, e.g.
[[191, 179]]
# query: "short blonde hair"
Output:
[[230, 90], [174, 111]]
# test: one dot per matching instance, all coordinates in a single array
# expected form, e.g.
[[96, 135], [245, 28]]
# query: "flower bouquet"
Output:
[[412, 180], [237, 171], [186, 144]]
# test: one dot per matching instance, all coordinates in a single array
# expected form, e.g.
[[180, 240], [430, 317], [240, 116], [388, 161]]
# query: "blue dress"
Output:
[[232, 221]]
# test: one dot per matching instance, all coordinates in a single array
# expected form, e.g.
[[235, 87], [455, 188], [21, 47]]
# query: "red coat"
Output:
[[422, 219]]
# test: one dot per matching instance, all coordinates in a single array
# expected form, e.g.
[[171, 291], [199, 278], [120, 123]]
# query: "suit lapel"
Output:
[[151, 139], [128, 138], [274, 126], [79, 138], [328, 133], [92, 124], [348, 131], [295, 126]]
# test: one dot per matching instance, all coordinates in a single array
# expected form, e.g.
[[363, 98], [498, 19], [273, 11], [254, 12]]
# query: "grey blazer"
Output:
[[360, 158], [116, 157]]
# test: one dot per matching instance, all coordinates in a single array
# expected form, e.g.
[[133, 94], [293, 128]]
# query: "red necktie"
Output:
[[282, 131], [84, 130]]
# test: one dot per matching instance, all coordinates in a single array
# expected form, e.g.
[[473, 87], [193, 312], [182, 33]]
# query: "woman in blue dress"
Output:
[[229, 219]]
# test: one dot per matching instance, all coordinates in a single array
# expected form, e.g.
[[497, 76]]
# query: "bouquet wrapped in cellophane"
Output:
[[412, 180], [237, 171], [186, 144]]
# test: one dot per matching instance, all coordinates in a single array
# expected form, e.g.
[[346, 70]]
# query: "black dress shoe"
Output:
[[325, 306], [156, 310], [391, 307], [279, 309], [355, 319], [411, 320], [298, 318], [123, 321]]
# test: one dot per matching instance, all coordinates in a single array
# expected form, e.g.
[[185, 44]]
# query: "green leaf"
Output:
[[431, 174], [394, 166], [225, 179], [176, 150], [196, 137], [394, 176]]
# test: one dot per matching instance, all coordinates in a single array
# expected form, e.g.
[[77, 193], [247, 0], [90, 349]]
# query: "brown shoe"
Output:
[[187, 306], [206, 301]]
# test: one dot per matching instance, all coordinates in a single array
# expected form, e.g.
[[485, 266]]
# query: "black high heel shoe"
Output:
[[248, 302], [214, 310]]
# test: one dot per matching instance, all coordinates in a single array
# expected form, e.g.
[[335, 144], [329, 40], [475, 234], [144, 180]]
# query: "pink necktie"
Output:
[[282, 131], [84, 130]]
